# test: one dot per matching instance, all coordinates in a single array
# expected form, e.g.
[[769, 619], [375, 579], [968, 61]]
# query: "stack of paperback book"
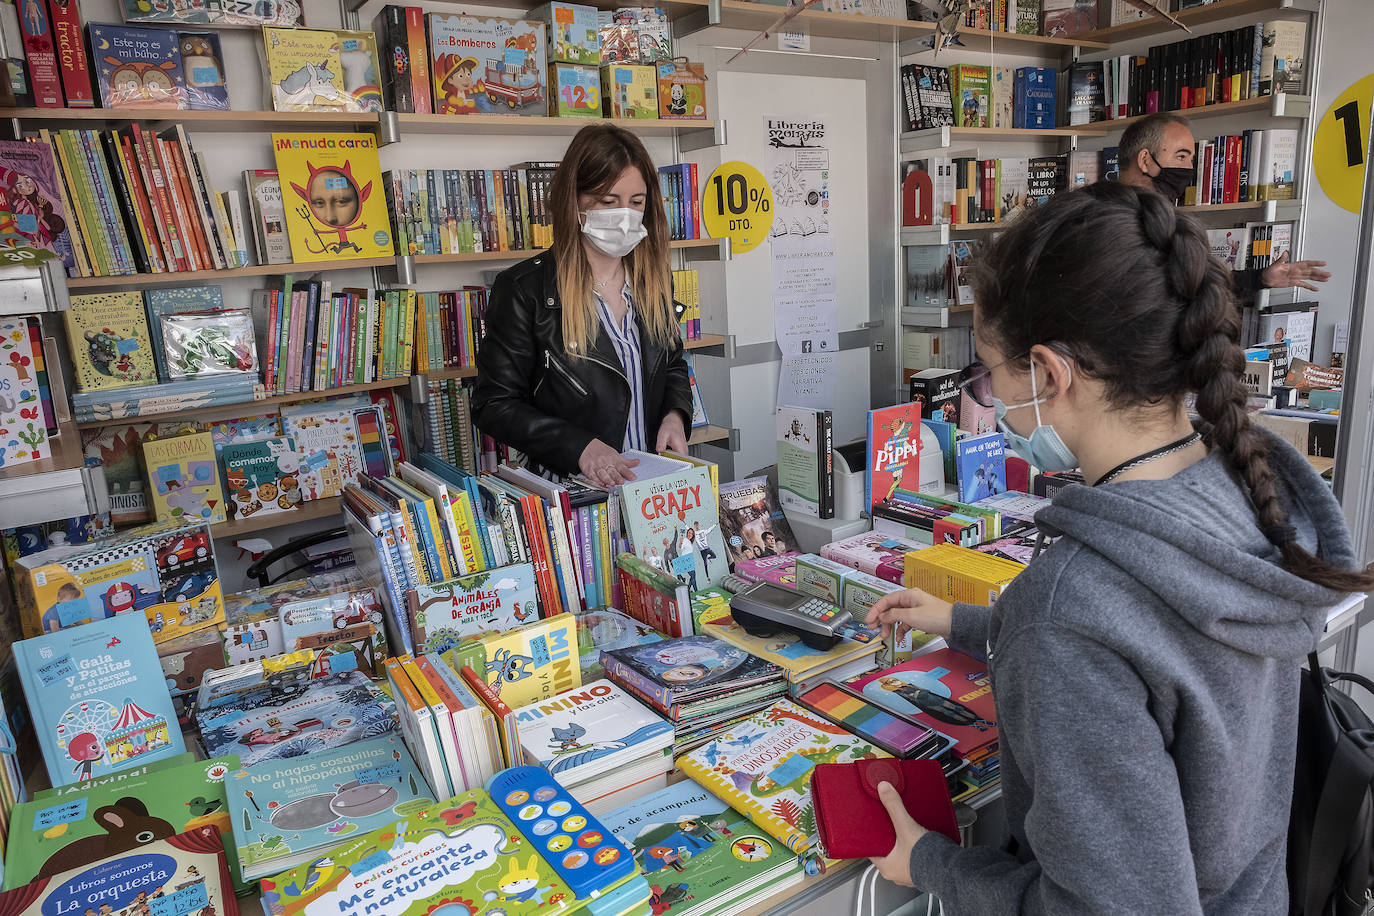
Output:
[[600, 743], [449, 433], [700, 683]]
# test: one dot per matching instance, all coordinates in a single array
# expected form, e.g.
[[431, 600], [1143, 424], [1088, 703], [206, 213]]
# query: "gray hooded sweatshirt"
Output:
[[1146, 671]]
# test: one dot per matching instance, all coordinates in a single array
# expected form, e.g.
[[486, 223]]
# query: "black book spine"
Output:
[[393, 54], [126, 203], [825, 443]]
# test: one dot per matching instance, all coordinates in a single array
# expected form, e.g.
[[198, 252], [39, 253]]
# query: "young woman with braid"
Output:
[[1145, 666]]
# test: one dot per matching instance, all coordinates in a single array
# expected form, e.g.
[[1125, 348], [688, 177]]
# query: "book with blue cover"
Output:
[[98, 698], [677, 671], [981, 463], [286, 811], [590, 730]]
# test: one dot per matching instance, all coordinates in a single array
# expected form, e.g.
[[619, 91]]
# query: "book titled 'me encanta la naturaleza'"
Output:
[[98, 698]]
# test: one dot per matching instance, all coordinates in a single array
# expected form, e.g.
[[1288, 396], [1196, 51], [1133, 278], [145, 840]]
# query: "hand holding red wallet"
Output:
[[851, 817]]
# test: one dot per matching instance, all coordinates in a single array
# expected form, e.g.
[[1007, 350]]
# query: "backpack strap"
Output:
[[1344, 787]]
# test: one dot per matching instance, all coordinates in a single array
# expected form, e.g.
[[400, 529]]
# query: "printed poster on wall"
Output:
[[804, 305]]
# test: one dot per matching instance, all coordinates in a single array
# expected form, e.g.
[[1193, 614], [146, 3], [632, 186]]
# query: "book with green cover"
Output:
[[525, 664], [699, 854], [110, 342], [762, 766], [85, 822], [462, 855]]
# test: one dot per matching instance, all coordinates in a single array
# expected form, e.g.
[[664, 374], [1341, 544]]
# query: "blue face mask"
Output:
[[1044, 449]]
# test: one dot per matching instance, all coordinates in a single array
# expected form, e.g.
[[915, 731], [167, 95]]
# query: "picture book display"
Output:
[[762, 766], [752, 524], [85, 822], [304, 70], [109, 340], [32, 198], [673, 523], [982, 466], [331, 185], [945, 690], [315, 716], [97, 698], [261, 478], [188, 870], [699, 854], [286, 811], [448, 613], [894, 453], [25, 436], [488, 65], [136, 67], [460, 856], [531, 662], [590, 730], [183, 478]]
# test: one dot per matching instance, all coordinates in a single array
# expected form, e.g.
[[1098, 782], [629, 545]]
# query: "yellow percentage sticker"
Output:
[[1340, 142], [737, 204]]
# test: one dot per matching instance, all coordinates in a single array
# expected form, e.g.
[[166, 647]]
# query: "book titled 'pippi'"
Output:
[[332, 189]]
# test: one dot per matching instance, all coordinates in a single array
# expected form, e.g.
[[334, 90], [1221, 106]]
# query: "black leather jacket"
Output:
[[533, 397]]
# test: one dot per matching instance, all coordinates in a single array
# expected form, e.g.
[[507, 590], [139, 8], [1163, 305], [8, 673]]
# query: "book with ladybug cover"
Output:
[[137, 68], [461, 856], [98, 699], [110, 346], [84, 822]]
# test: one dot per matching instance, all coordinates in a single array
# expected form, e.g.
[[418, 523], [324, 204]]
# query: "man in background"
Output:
[[1157, 152]]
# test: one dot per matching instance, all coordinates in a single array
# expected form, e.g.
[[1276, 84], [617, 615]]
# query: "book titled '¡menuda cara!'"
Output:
[[98, 698]]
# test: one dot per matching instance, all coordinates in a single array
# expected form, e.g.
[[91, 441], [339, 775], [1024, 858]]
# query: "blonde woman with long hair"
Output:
[[582, 358]]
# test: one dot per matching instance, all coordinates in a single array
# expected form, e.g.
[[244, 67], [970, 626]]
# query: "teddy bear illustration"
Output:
[[127, 825]]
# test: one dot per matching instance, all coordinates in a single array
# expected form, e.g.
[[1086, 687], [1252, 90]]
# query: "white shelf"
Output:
[[32, 495], [937, 234], [28, 290], [945, 317], [942, 138]]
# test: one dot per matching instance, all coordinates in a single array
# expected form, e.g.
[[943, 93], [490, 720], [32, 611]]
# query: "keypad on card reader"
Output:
[[584, 853]]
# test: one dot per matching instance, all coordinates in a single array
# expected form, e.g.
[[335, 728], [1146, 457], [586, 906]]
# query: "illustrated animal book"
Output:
[[331, 186], [448, 613], [202, 71], [183, 478], [762, 766], [286, 811], [304, 71], [315, 716], [529, 663], [189, 870], [945, 690], [699, 854], [673, 522], [136, 67], [97, 697], [86, 822], [109, 339], [336, 442], [23, 427], [261, 477], [590, 730], [460, 856], [752, 523], [30, 194]]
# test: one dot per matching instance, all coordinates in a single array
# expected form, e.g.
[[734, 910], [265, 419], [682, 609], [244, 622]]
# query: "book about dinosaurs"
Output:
[[97, 697], [110, 344], [762, 766], [462, 856], [448, 613], [331, 186], [287, 811], [31, 201], [85, 822]]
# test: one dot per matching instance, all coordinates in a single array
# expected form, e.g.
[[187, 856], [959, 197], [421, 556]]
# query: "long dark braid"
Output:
[[1128, 285]]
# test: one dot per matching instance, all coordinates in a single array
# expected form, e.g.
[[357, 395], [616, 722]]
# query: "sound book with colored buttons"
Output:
[[584, 853]]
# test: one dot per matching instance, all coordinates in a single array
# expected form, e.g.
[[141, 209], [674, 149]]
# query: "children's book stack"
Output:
[[700, 683], [654, 597], [681, 200], [604, 629], [449, 432], [600, 743]]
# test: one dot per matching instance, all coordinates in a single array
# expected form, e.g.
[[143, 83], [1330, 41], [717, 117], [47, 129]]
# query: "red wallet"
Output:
[[851, 819]]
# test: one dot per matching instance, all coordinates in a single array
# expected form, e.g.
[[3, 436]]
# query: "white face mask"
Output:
[[614, 232]]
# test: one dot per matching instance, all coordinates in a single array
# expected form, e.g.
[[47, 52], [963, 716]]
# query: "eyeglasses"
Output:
[[975, 379]]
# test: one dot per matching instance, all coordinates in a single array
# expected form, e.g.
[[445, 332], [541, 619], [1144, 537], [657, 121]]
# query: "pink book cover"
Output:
[[892, 571], [294, 338], [870, 550], [779, 570]]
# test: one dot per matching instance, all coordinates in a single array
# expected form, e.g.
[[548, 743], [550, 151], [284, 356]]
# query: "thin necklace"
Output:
[[600, 285], [1133, 463]]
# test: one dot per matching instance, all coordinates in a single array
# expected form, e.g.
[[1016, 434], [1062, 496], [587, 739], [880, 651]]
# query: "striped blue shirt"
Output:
[[624, 337]]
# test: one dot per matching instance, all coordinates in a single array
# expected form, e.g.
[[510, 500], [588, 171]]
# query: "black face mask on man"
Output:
[[1172, 182]]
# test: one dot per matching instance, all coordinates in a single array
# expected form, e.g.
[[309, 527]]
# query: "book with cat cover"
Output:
[[590, 730], [183, 478], [287, 811], [331, 184], [461, 856], [137, 67], [84, 822], [98, 699], [109, 339], [317, 716], [762, 767], [30, 194], [752, 523], [531, 662], [446, 614], [701, 855], [261, 478], [188, 870]]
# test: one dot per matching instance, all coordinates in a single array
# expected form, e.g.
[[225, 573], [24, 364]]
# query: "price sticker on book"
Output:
[[737, 204], [1339, 145]]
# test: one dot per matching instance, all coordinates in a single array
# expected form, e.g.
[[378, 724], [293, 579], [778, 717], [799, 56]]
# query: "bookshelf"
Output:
[[916, 142], [713, 435], [1279, 105], [309, 511], [516, 125], [1202, 15], [204, 121]]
